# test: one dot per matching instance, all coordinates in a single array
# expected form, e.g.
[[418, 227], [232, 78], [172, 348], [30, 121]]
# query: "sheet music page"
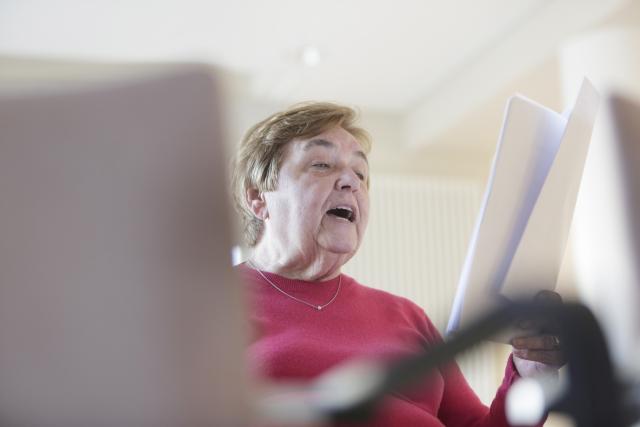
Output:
[[521, 231], [537, 260]]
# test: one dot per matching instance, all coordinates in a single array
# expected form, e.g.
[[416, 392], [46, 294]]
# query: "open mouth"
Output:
[[343, 212]]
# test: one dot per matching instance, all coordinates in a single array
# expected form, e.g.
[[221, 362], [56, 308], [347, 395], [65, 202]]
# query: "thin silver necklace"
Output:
[[314, 306]]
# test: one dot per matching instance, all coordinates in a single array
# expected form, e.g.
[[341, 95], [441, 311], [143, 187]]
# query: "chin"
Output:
[[343, 248], [344, 243]]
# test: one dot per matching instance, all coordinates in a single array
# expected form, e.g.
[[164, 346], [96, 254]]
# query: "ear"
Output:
[[257, 203]]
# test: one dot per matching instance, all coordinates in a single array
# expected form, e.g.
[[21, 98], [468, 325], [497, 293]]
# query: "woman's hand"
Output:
[[540, 352]]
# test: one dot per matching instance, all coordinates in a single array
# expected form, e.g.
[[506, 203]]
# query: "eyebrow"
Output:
[[328, 144]]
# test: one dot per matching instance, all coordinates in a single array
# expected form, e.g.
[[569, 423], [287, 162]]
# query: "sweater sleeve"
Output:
[[460, 406]]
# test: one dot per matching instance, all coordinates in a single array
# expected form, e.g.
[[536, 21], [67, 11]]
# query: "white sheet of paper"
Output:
[[523, 224]]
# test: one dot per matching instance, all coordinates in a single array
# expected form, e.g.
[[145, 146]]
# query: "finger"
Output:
[[537, 342], [545, 297], [548, 357], [526, 324], [549, 325], [548, 296]]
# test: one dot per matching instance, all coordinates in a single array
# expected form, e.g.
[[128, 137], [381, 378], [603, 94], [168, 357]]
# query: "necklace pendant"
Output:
[[319, 307]]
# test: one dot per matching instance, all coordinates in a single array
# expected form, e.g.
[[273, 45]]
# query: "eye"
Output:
[[321, 165], [362, 176]]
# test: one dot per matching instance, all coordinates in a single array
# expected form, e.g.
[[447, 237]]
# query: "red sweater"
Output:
[[295, 341]]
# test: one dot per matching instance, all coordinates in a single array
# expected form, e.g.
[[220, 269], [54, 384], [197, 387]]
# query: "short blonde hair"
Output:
[[259, 157]]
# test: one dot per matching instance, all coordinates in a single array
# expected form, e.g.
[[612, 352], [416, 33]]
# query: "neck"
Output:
[[318, 266]]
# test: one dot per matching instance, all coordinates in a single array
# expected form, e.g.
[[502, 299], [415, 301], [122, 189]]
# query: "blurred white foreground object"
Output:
[[117, 301], [529, 399], [607, 233]]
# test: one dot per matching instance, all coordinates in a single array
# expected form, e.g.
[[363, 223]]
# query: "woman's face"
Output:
[[322, 200]]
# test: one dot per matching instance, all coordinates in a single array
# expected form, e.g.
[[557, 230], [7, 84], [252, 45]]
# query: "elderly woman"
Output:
[[301, 183]]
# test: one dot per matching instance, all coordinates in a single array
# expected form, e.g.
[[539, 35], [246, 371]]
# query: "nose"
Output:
[[348, 180]]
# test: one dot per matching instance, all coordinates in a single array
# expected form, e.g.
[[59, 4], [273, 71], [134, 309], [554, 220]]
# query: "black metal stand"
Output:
[[594, 397]]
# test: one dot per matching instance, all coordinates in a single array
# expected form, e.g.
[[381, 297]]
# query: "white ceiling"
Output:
[[429, 60]]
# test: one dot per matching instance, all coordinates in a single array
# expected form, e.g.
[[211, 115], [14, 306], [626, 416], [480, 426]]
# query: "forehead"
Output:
[[336, 139]]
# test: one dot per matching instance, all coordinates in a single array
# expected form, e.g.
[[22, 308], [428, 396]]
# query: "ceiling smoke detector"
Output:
[[310, 56]]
